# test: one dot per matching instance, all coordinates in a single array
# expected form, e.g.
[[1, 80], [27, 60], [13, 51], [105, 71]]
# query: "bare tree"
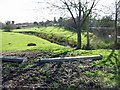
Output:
[[79, 10]]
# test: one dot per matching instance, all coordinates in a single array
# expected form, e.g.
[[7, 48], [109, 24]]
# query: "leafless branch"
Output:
[[90, 10], [70, 12]]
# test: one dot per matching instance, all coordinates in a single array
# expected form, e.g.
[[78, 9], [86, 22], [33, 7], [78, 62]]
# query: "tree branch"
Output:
[[68, 8], [90, 10]]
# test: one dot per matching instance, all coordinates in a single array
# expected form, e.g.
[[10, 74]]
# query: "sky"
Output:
[[29, 10]]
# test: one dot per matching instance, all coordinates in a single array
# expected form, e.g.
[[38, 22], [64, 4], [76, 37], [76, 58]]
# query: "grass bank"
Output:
[[64, 36], [58, 35], [15, 42]]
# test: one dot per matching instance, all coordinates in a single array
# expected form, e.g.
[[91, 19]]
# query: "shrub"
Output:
[[8, 27], [18, 27]]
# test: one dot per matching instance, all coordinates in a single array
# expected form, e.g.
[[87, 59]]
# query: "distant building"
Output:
[[24, 25]]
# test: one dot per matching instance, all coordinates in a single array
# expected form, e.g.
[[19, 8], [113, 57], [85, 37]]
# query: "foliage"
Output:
[[106, 21]]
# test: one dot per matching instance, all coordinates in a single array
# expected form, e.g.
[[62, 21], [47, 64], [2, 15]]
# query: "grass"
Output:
[[65, 34], [14, 41], [110, 57], [58, 32], [108, 69]]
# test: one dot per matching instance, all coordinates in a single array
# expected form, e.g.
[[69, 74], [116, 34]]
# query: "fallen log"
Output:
[[64, 59], [12, 59], [44, 60]]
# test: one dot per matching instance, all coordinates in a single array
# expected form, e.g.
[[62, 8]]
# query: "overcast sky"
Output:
[[26, 10]]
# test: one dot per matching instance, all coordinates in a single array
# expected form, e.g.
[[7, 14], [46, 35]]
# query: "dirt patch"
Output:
[[29, 54], [57, 75]]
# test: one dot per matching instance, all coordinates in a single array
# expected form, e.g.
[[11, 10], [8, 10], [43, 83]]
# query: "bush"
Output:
[[18, 27], [8, 27], [117, 46]]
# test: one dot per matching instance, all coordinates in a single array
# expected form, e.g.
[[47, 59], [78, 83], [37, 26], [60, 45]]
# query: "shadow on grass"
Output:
[[114, 60], [117, 64], [118, 71]]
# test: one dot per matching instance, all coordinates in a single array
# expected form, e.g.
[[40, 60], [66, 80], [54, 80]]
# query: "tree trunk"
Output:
[[87, 46], [116, 32], [79, 38], [88, 40]]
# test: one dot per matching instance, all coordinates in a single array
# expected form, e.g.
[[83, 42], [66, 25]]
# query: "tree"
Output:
[[117, 11], [8, 26], [69, 23], [8, 22], [106, 21], [77, 8], [13, 22], [35, 23], [60, 21], [87, 25], [55, 21]]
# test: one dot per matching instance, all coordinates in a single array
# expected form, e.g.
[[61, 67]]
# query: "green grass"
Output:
[[110, 57], [14, 41], [59, 32], [62, 33], [111, 60]]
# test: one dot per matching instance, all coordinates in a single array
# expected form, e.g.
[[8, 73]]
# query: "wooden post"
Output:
[[63, 59], [44, 60]]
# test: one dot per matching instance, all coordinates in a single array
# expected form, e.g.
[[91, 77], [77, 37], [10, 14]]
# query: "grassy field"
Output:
[[14, 41]]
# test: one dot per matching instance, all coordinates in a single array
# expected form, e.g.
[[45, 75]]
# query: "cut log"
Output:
[[12, 59], [64, 59]]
